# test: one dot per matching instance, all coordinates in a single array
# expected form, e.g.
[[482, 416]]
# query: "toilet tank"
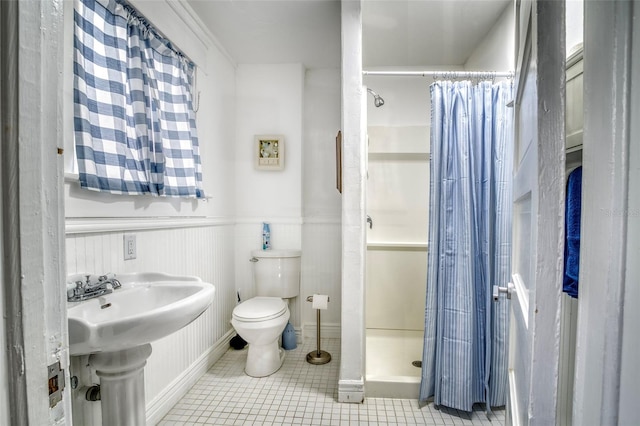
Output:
[[276, 273]]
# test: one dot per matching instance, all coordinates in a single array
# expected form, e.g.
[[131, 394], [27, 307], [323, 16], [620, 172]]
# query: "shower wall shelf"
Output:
[[399, 156], [379, 245]]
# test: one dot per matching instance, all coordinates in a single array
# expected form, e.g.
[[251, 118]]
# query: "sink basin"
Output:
[[147, 307]]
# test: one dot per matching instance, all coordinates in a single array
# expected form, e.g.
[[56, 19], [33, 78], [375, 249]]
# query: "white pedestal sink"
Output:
[[115, 330]]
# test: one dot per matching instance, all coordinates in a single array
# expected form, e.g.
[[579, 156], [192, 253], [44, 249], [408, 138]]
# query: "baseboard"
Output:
[[351, 391], [163, 403], [402, 387], [329, 331]]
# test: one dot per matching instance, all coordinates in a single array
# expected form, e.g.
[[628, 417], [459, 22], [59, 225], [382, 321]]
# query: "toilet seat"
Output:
[[260, 309]]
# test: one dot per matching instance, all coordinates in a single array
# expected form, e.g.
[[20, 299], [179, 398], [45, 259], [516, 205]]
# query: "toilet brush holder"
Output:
[[317, 357]]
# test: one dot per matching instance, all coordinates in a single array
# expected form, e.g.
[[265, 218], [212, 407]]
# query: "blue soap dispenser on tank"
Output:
[[266, 236]]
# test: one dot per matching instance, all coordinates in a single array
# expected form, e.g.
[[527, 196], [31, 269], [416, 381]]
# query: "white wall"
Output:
[[496, 51], [300, 202], [574, 24], [398, 202], [398, 186], [606, 370], [322, 203], [213, 238], [216, 87], [199, 239], [407, 100], [321, 199], [351, 382], [269, 101]]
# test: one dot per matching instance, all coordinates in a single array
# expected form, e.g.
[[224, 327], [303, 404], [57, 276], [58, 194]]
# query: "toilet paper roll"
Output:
[[320, 301]]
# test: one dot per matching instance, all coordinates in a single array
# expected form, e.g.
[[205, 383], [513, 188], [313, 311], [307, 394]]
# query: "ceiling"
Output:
[[275, 31], [395, 32], [425, 32]]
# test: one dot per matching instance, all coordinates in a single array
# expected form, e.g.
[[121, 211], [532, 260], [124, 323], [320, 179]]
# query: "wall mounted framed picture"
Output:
[[269, 152]]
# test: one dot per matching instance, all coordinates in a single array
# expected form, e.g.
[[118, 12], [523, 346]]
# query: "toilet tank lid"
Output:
[[276, 253]]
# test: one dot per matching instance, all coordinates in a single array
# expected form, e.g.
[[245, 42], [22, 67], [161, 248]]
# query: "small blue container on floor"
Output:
[[289, 337]]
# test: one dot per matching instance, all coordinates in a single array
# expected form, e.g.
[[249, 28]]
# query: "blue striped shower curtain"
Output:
[[465, 346]]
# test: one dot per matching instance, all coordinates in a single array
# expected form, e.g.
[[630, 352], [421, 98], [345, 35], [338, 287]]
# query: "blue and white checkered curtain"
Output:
[[465, 346], [135, 129]]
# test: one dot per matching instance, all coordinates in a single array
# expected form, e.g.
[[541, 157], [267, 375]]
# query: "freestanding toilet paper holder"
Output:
[[318, 357]]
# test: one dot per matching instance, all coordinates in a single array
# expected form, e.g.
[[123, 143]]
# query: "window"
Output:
[[134, 123]]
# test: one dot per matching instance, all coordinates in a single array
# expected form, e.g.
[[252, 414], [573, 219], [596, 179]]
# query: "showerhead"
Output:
[[377, 99]]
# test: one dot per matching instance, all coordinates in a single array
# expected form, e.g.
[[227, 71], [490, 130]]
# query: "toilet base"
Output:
[[264, 360]]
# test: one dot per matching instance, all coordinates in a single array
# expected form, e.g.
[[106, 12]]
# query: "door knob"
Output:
[[508, 290]]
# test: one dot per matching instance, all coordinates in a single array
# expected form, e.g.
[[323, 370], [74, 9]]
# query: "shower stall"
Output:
[[398, 122]]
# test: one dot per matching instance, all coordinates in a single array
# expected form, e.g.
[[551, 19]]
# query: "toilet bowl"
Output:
[[260, 321]]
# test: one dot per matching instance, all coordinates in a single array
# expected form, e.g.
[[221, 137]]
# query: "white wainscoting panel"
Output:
[[206, 252], [322, 271]]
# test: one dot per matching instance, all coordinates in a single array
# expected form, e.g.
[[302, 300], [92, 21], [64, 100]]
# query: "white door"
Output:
[[538, 213]]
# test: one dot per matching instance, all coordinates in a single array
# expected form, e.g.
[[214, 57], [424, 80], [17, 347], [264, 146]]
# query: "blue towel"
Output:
[[572, 233]]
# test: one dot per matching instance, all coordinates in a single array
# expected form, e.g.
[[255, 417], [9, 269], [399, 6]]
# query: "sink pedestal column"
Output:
[[122, 385]]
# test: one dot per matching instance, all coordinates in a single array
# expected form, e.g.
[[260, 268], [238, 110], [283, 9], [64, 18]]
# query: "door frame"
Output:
[[34, 293], [607, 380], [540, 165]]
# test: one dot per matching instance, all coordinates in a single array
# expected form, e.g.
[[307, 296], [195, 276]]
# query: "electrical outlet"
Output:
[[129, 246]]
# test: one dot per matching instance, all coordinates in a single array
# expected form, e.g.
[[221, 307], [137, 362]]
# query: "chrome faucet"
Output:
[[370, 222], [89, 289]]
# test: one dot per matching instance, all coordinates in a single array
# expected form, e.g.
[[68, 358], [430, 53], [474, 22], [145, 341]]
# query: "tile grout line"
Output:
[[299, 393]]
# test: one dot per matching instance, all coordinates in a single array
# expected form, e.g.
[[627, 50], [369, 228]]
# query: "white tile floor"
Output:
[[299, 394]]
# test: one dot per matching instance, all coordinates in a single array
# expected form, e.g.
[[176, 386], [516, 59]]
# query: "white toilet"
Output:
[[262, 319]]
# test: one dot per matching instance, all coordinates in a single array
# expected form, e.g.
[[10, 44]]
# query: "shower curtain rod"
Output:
[[444, 74]]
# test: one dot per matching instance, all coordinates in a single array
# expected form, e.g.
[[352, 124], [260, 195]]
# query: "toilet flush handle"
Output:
[[254, 259]]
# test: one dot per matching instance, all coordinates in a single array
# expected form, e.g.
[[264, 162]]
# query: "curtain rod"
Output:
[[444, 74], [134, 14]]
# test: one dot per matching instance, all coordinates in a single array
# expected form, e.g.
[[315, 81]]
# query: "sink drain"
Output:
[[417, 364]]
